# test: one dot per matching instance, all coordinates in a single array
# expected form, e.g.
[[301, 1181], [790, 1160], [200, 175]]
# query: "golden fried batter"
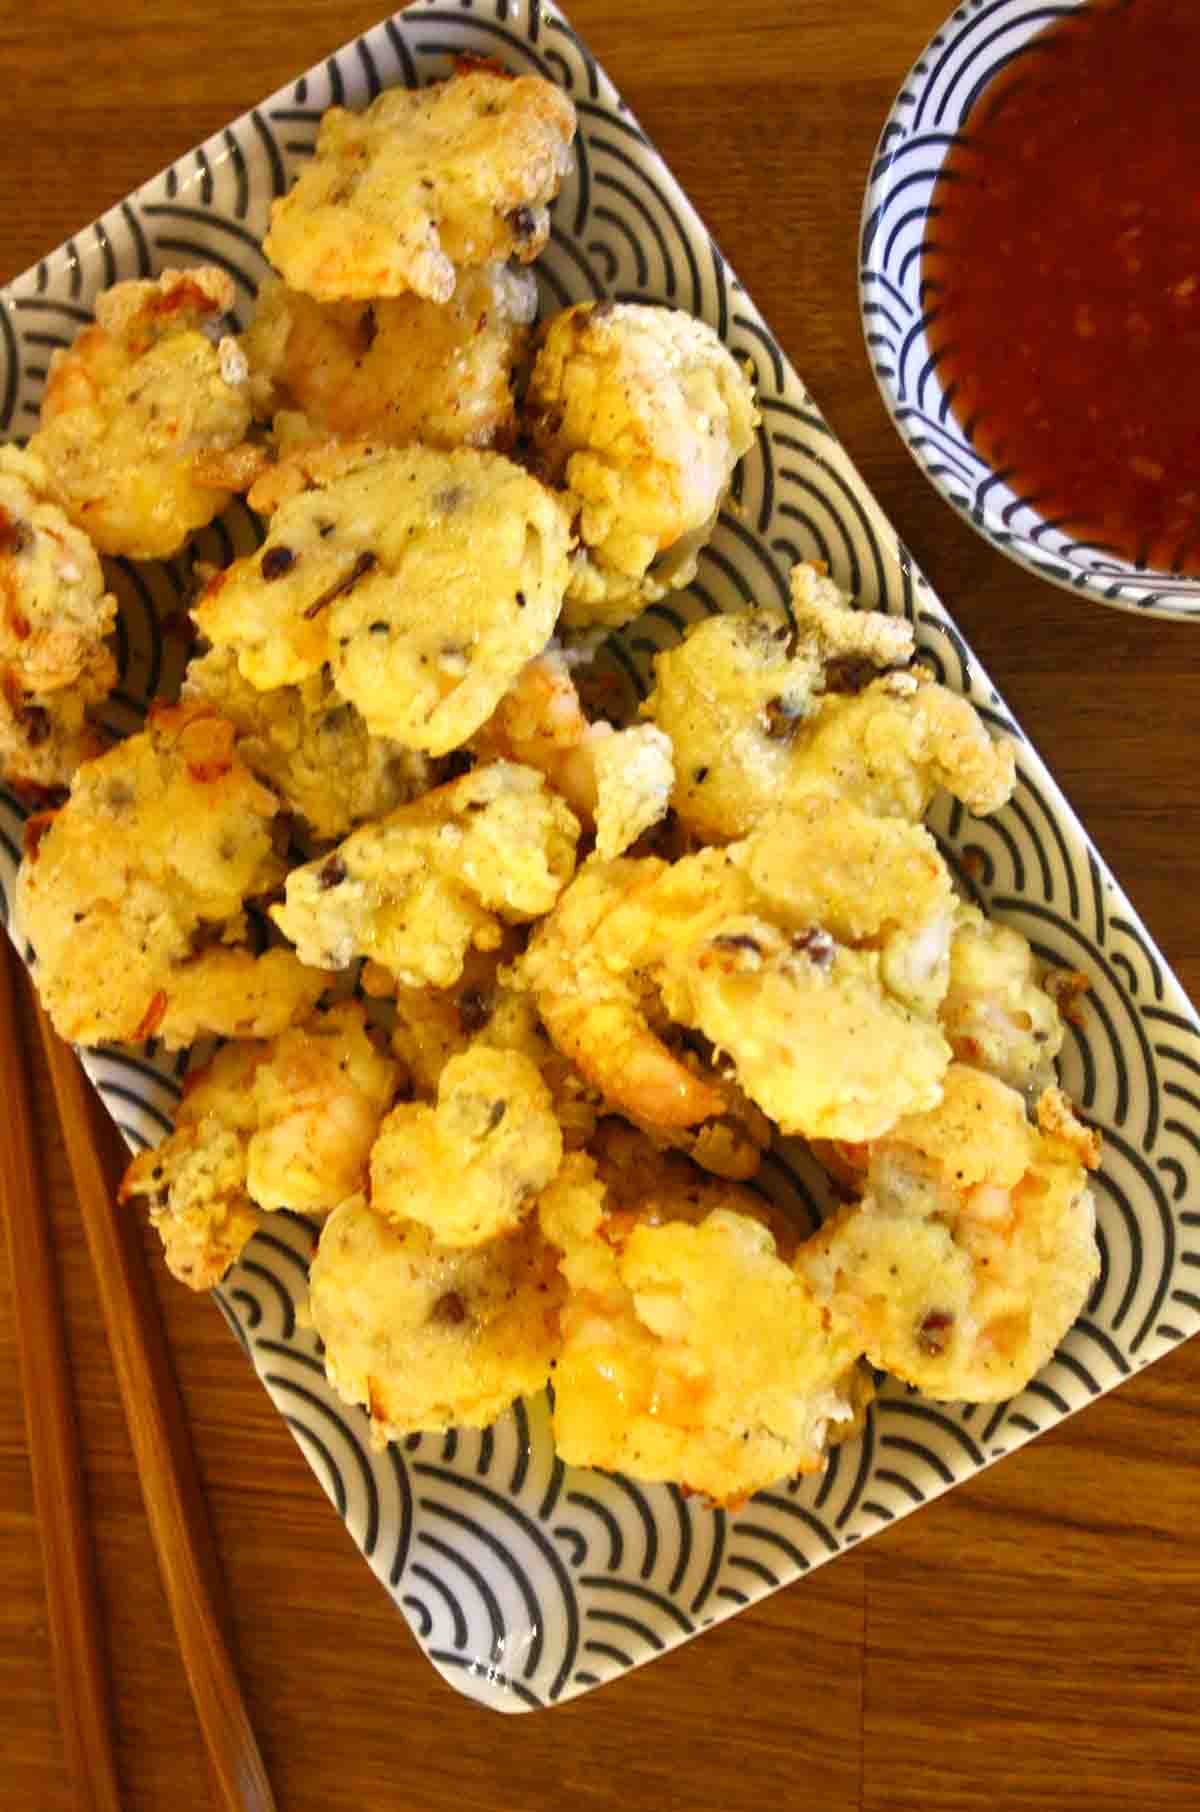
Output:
[[512, 1025], [310, 746], [415, 890], [137, 406], [54, 615], [469, 1168], [692, 1351], [762, 950], [873, 882], [287, 1123], [761, 712], [425, 581], [814, 1035], [893, 745], [431, 1337], [151, 859], [235, 993], [586, 969], [399, 370], [194, 1183], [974, 1248], [617, 782], [642, 414], [431, 1025], [998, 1013], [425, 182], [731, 696]]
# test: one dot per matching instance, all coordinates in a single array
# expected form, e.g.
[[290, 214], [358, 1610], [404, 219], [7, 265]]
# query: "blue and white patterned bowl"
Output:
[[524, 1581], [931, 113]]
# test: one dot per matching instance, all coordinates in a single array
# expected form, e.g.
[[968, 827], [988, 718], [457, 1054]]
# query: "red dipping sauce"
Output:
[[1062, 277]]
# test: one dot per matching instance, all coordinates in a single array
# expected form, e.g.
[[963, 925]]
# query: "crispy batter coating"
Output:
[[425, 581], [540, 722], [151, 858], [842, 636], [585, 967], [396, 370], [731, 696], [973, 1249], [617, 782], [137, 406], [423, 183], [998, 1013], [431, 1337], [822, 1003], [761, 712], [431, 1025], [512, 1024], [43, 743], [872, 882], [814, 1035], [893, 745], [286, 1123], [635, 772], [642, 414], [310, 746], [652, 1381], [234, 993], [54, 615], [415, 890], [470, 1167]]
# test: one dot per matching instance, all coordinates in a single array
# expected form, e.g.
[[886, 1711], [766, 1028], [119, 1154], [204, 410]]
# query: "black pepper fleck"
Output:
[[276, 562]]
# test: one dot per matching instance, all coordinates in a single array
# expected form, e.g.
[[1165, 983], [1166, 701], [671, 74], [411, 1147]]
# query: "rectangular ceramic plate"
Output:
[[524, 1582]]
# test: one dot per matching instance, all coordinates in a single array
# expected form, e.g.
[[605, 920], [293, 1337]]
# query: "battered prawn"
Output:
[[649, 1382], [54, 615], [233, 993], [893, 745], [396, 370], [310, 746], [424, 183], [973, 1249], [429, 1337], [617, 782], [583, 969], [998, 1012], [284, 1123], [642, 415], [414, 891], [432, 1025], [822, 1007], [469, 1167], [424, 580], [142, 410], [762, 711], [132, 894], [874, 883]]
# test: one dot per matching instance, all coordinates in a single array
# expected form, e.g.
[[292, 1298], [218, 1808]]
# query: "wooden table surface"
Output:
[[1031, 1641]]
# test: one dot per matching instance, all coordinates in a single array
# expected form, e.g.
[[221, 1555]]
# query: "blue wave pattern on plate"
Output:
[[932, 112], [524, 1581]]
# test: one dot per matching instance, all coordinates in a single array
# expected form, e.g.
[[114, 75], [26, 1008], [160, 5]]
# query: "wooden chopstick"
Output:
[[175, 1506], [76, 1626]]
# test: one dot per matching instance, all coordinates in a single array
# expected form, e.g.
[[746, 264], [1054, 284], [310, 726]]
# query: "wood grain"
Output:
[[1029, 1643], [175, 1506], [64, 1524]]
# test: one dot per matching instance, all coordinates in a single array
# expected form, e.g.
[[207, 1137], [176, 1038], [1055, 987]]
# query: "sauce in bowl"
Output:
[[1061, 277]]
